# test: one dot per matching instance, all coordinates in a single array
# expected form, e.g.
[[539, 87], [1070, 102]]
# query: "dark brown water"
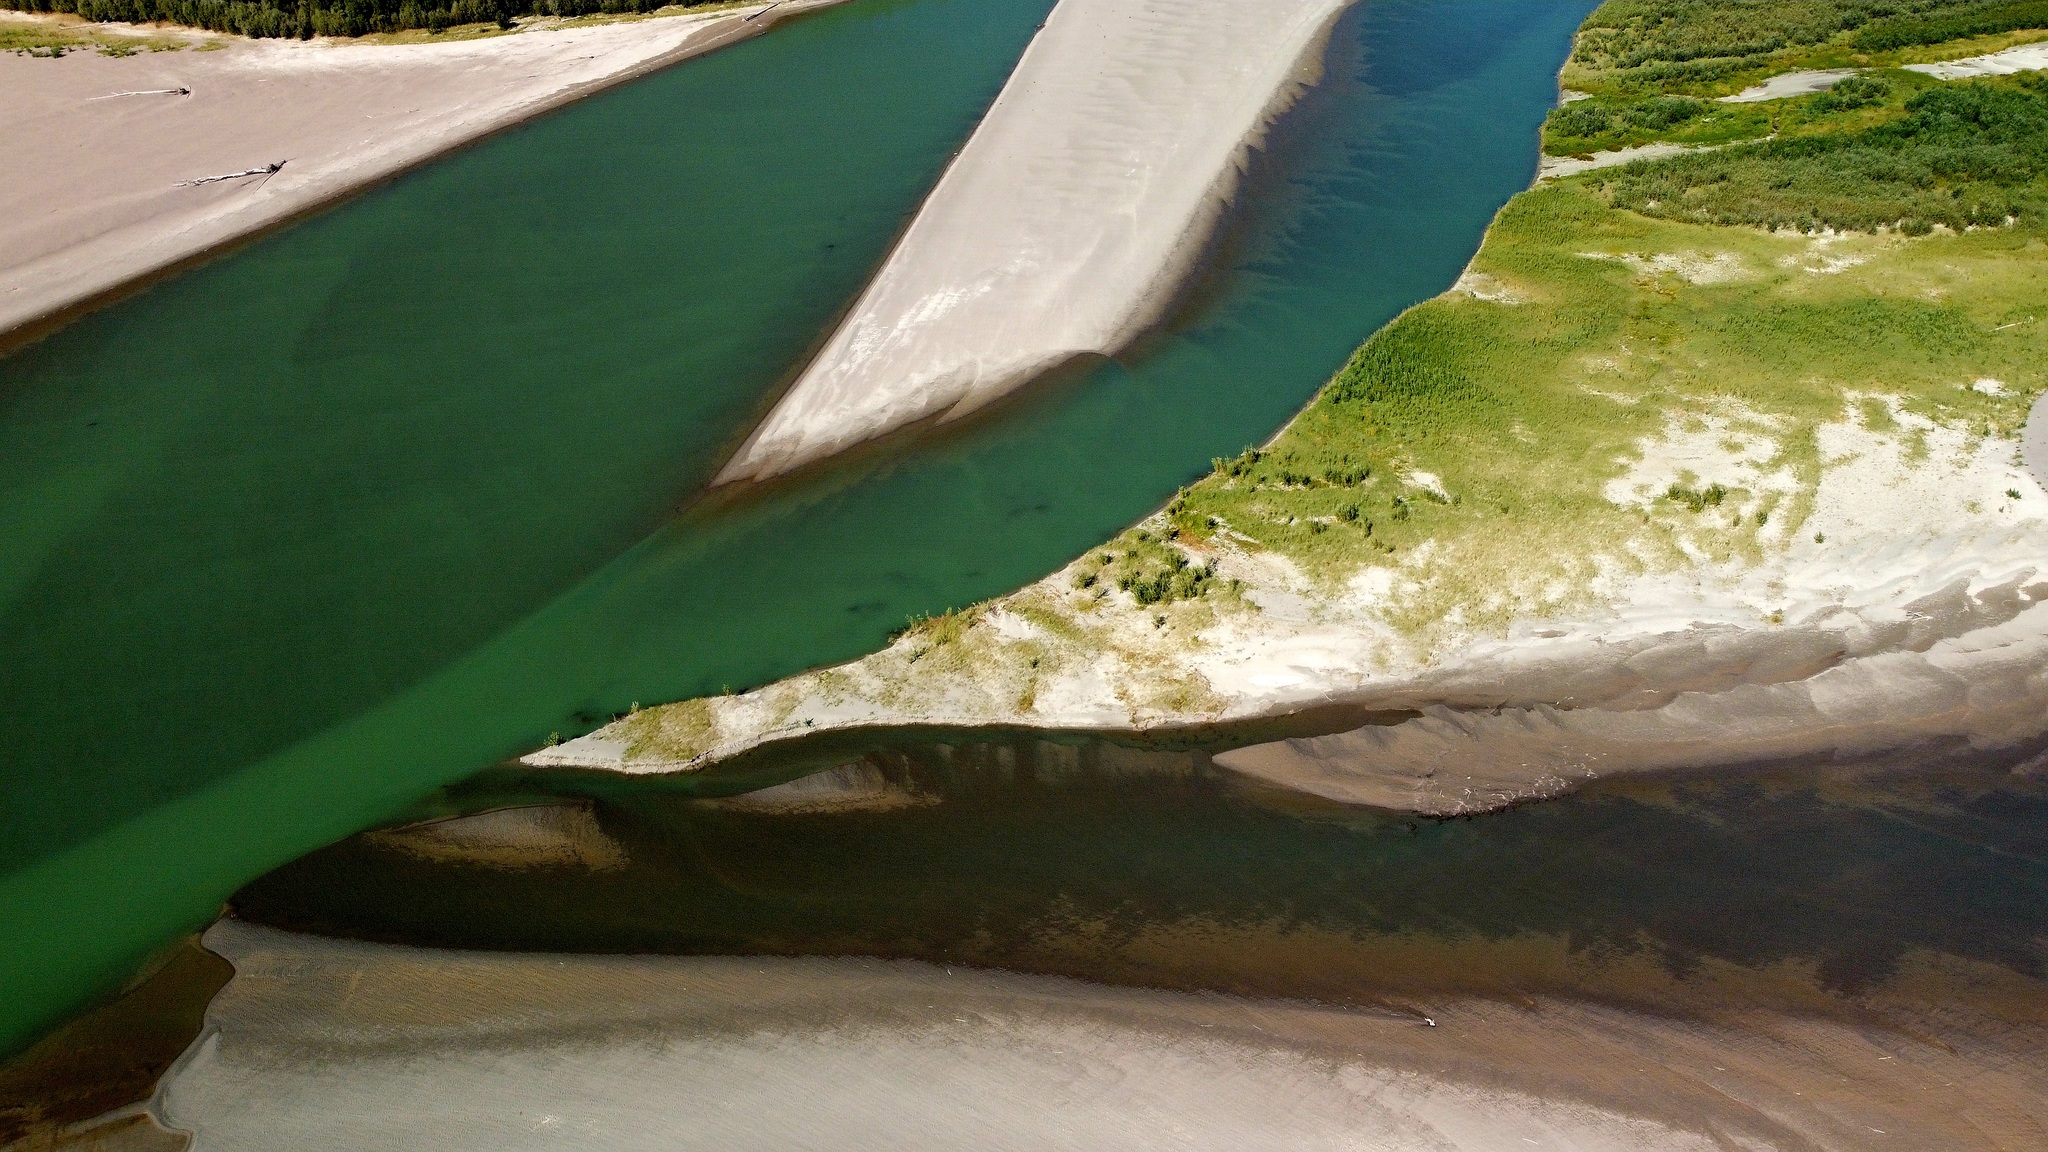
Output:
[[1152, 867]]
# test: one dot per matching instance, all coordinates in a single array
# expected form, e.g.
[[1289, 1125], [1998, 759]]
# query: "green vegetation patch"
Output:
[[1964, 155], [1949, 22], [1468, 447], [1716, 47], [37, 38]]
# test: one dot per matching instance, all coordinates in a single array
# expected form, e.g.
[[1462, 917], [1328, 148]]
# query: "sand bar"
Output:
[[1065, 225], [98, 196], [321, 1043]]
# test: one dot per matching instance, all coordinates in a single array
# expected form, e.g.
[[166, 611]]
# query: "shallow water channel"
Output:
[[1800, 887], [361, 508]]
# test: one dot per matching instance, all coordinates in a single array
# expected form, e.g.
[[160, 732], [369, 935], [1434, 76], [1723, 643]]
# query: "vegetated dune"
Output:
[[105, 149], [342, 1045], [1065, 226]]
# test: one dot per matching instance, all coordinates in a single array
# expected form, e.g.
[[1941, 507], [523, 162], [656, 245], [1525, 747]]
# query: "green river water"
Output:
[[299, 536]]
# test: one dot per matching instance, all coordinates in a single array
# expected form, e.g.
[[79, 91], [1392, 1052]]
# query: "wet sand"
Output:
[[358, 1046], [1066, 225], [96, 196]]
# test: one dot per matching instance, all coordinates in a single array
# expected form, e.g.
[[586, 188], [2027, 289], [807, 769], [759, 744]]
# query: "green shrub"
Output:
[[1965, 154], [1949, 22], [1852, 92]]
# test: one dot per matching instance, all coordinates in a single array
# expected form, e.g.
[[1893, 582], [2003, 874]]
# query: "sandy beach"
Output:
[[101, 196], [360, 1046], [1065, 226]]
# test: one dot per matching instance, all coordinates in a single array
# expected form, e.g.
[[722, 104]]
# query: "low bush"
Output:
[[1965, 154]]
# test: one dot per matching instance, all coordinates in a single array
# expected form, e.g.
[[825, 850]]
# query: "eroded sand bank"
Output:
[[95, 195], [322, 1043], [1065, 225]]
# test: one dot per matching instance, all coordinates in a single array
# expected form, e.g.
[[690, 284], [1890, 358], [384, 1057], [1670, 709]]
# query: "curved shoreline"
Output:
[[112, 219]]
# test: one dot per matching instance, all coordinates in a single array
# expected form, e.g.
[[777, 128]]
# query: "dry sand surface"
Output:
[[1786, 84], [92, 199], [1066, 224], [338, 1045]]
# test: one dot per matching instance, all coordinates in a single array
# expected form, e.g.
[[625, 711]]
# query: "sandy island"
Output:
[[96, 196], [333, 1044], [1066, 224]]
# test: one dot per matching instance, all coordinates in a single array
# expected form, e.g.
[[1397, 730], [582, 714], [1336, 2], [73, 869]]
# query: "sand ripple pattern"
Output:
[[1065, 224]]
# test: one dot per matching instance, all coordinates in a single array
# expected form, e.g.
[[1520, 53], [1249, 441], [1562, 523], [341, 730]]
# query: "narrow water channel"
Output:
[[297, 537], [1801, 887]]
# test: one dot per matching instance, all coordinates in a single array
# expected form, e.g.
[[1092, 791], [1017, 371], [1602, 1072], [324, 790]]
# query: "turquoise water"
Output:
[[372, 504]]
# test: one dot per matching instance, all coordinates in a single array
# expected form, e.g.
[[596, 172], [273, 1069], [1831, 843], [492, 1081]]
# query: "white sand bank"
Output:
[[326, 1044], [2024, 58], [1065, 225], [91, 197]]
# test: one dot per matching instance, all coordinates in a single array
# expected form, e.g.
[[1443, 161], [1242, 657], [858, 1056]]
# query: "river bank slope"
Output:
[[109, 146], [1707, 459]]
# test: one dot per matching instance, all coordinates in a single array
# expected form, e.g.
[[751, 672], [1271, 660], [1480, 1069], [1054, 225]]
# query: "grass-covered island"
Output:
[[1706, 459]]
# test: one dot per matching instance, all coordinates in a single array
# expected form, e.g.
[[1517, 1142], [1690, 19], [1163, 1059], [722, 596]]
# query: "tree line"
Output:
[[305, 19]]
